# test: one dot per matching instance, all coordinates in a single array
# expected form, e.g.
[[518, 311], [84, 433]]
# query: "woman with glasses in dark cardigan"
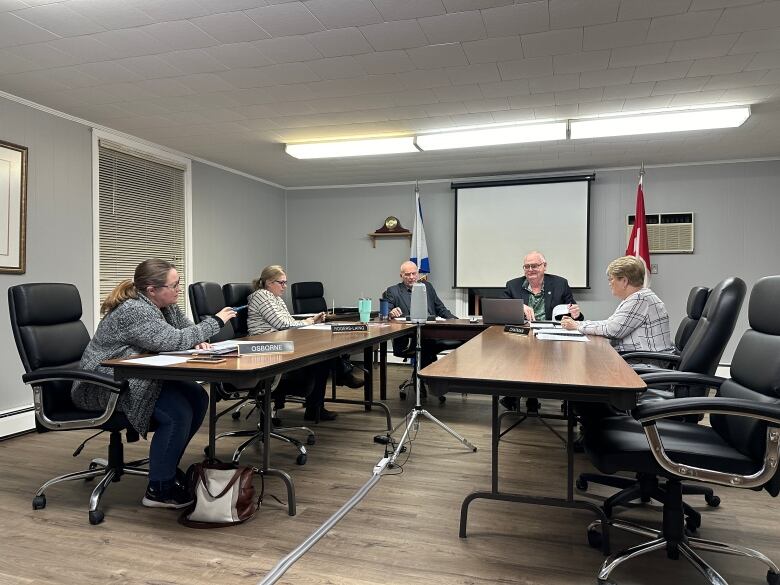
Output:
[[141, 316]]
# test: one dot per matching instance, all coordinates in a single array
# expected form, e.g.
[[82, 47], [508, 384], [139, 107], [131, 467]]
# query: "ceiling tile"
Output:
[[619, 34], [9, 5], [342, 13], [573, 13], [288, 49], [109, 72], [696, 98], [505, 88], [111, 14], [518, 19], [385, 62], [285, 19], [483, 73], [520, 102], [179, 34], [647, 103], [600, 108], [286, 73], [620, 76], [751, 94], [84, 49], [576, 96], [238, 55], [765, 60], [414, 98], [522, 68], [423, 79], [193, 61], [554, 42], [757, 40], [661, 71], [60, 20], [494, 49], [131, 42], [11, 63], [674, 86], [719, 65], [710, 4], [702, 48], [554, 83], [149, 67], [204, 82], [633, 90], [406, 9], [43, 55], [337, 43], [463, 5], [398, 34], [336, 67], [576, 62], [640, 55], [634, 9], [453, 28], [165, 87], [735, 80], [15, 31], [231, 27], [456, 94], [682, 26], [171, 9], [214, 6], [512, 116], [435, 56], [743, 18], [445, 109], [72, 77]]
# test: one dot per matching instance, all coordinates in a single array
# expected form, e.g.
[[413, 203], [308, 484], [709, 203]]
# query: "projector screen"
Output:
[[497, 224]]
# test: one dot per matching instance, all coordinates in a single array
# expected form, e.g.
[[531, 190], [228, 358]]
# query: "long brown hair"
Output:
[[268, 273], [152, 272]]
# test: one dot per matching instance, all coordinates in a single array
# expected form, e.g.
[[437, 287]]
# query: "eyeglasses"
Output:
[[173, 286], [408, 274], [281, 282], [532, 266]]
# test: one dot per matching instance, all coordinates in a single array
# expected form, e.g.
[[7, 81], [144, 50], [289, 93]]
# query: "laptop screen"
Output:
[[503, 312]]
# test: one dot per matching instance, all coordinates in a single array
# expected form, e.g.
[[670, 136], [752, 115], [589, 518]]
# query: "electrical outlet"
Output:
[[654, 269]]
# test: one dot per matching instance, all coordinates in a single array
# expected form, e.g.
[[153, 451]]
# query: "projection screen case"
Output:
[[497, 223]]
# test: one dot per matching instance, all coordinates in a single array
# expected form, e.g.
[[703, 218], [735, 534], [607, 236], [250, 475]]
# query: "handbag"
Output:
[[224, 495]]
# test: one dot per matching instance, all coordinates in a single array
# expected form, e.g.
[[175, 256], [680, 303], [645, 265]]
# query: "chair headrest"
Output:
[[206, 299], [237, 293], [763, 315], [45, 303], [726, 296], [697, 299], [307, 289]]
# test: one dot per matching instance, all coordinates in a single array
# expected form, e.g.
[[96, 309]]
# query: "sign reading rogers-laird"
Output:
[[348, 328], [266, 347]]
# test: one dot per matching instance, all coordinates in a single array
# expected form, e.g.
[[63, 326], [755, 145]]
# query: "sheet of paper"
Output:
[[318, 326], [158, 360], [535, 325], [552, 337]]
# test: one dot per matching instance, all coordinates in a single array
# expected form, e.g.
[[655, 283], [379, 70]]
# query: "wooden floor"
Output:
[[405, 531]]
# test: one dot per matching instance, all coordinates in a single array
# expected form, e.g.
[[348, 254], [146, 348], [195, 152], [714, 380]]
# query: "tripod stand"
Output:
[[418, 411]]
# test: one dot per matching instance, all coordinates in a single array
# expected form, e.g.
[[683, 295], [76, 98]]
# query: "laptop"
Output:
[[503, 312]]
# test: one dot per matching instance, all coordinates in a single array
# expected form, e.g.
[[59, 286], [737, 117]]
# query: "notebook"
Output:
[[503, 312]]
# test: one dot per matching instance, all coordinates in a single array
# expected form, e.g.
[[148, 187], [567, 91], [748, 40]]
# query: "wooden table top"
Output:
[[311, 346], [496, 362]]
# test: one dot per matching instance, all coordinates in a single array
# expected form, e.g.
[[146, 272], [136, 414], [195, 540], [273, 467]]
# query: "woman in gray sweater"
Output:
[[141, 316]]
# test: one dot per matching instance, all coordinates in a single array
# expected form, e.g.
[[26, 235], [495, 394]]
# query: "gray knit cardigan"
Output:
[[137, 326]]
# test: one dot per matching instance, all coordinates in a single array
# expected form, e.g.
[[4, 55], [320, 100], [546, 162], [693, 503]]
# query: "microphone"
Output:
[[418, 309]]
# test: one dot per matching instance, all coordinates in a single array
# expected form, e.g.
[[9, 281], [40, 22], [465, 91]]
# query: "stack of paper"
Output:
[[560, 335]]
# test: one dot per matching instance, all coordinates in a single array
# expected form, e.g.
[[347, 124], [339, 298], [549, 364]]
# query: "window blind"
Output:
[[141, 215]]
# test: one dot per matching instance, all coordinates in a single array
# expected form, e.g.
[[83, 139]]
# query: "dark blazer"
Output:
[[556, 292], [400, 296]]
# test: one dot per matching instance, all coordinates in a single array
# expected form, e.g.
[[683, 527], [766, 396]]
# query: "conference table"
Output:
[[253, 371], [497, 363]]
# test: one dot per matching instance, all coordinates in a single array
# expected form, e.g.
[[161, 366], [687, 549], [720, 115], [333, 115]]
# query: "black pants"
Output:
[[309, 382]]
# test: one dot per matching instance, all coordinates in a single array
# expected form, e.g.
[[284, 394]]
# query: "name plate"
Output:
[[517, 329], [349, 328], [260, 347]]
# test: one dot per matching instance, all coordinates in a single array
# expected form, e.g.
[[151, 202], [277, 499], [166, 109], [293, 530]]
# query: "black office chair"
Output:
[[308, 297], [237, 295], [740, 448], [701, 355], [207, 299], [50, 337]]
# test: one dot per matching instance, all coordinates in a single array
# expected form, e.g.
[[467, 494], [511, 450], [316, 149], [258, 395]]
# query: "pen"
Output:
[[237, 309]]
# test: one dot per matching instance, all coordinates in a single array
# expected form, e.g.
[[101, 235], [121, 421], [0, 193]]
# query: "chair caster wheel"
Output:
[[311, 440], [594, 538], [206, 451], [96, 517], [402, 395], [442, 399], [581, 484], [692, 524], [713, 501], [235, 415], [772, 578], [39, 502], [301, 459]]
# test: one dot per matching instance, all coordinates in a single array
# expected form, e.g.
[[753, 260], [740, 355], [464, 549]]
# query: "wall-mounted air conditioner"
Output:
[[667, 233]]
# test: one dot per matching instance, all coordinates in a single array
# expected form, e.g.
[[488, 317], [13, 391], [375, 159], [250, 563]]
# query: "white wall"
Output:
[[736, 206]]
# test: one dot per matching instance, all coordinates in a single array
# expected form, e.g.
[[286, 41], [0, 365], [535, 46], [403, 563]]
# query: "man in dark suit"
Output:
[[541, 293], [400, 298]]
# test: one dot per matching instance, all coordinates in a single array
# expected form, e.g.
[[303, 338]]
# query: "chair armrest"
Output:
[[644, 369], [649, 414], [655, 355], [675, 377], [96, 378]]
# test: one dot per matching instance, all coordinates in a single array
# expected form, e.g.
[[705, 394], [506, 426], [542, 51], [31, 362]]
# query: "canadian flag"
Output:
[[637, 242]]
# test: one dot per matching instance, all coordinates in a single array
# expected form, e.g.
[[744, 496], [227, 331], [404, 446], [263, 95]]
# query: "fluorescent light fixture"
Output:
[[680, 121], [341, 148], [492, 136]]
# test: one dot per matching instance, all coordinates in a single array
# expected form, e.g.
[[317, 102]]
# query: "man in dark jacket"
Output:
[[541, 293], [400, 298]]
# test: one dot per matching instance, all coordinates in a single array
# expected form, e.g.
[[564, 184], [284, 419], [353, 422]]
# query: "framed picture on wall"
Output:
[[13, 207]]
